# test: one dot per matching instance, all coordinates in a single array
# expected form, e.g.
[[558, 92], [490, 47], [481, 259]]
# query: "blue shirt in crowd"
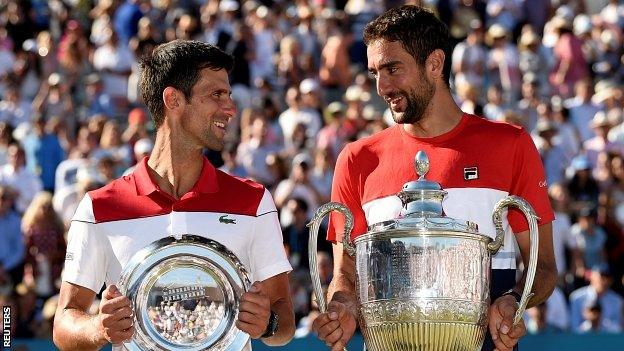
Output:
[[43, 155], [11, 241], [610, 302]]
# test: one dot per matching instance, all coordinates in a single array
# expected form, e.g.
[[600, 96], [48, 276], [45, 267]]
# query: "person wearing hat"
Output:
[[298, 113], [570, 64], [333, 136], [534, 59], [175, 191], [96, 100], [469, 57], [598, 290], [600, 143], [503, 62], [582, 109], [407, 48], [554, 158]]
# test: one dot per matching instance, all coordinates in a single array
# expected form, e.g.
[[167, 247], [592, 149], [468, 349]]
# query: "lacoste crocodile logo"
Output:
[[224, 219]]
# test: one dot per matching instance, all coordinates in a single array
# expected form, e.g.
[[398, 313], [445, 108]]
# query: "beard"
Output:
[[416, 103]]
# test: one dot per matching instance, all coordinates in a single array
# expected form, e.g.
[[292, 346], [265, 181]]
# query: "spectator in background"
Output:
[[469, 57], [13, 109], [72, 54], [560, 201], [15, 175], [113, 61], [44, 237], [11, 241], [334, 70], [252, 154], [96, 102], [126, 20], [570, 64], [582, 186], [298, 185], [53, 100], [322, 173], [297, 233], [534, 59], [332, 136], [553, 157], [6, 139], [137, 126], [536, 322], [502, 62], [230, 165], [112, 146], [582, 109], [588, 242], [567, 136], [530, 101], [43, 153], [593, 321], [600, 143], [598, 290], [495, 106], [65, 200], [297, 113]]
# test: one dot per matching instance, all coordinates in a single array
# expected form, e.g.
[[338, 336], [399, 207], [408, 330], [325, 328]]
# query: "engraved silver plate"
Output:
[[185, 294]]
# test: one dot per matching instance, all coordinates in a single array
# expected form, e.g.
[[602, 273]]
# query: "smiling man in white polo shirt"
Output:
[[173, 192]]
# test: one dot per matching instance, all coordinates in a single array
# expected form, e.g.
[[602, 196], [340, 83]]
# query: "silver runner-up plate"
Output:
[[185, 294]]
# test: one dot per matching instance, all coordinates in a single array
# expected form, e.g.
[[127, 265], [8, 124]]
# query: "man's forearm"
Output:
[[342, 289], [543, 285], [76, 330]]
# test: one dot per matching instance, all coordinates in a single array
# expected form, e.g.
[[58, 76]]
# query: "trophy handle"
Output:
[[314, 225], [495, 245]]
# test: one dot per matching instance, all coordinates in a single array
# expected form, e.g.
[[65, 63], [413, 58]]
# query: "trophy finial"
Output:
[[421, 163]]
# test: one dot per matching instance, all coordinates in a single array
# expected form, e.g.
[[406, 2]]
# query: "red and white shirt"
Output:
[[478, 163], [114, 222]]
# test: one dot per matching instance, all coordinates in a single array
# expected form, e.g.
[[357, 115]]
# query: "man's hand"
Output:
[[336, 326], [116, 318], [254, 311], [504, 334]]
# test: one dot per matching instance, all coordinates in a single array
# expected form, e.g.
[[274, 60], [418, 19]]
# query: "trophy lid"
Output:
[[422, 205]]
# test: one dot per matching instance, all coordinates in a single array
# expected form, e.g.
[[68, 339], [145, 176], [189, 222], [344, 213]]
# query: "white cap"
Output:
[[308, 85], [143, 146], [228, 5]]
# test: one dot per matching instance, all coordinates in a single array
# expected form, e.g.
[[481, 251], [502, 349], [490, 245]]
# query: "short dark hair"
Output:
[[418, 30], [177, 64]]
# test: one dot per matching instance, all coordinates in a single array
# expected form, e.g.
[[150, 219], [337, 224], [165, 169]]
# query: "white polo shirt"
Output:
[[114, 222]]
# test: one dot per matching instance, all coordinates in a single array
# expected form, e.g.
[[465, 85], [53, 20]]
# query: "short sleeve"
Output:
[[529, 182], [85, 260], [267, 253], [345, 190]]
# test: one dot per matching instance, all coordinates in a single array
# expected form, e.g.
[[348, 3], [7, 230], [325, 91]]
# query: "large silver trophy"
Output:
[[423, 279], [185, 293]]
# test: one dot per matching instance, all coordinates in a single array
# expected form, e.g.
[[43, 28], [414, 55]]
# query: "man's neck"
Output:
[[440, 117], [174, 168]]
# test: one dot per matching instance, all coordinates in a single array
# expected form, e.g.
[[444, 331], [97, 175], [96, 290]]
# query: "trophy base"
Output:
[[424, 336]]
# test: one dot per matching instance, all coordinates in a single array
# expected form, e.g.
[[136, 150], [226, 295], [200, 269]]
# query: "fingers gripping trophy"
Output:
[[423, 279]]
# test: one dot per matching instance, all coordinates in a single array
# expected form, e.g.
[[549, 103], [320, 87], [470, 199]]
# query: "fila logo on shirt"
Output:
[[471, 173]]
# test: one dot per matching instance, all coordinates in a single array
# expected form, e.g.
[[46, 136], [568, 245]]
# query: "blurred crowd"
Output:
[[71, 120]]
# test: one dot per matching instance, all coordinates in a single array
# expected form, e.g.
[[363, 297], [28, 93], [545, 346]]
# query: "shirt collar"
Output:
[[207, 182]]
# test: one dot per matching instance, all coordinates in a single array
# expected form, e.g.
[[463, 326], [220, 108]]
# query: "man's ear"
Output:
[[172, 98], [435, 64]]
